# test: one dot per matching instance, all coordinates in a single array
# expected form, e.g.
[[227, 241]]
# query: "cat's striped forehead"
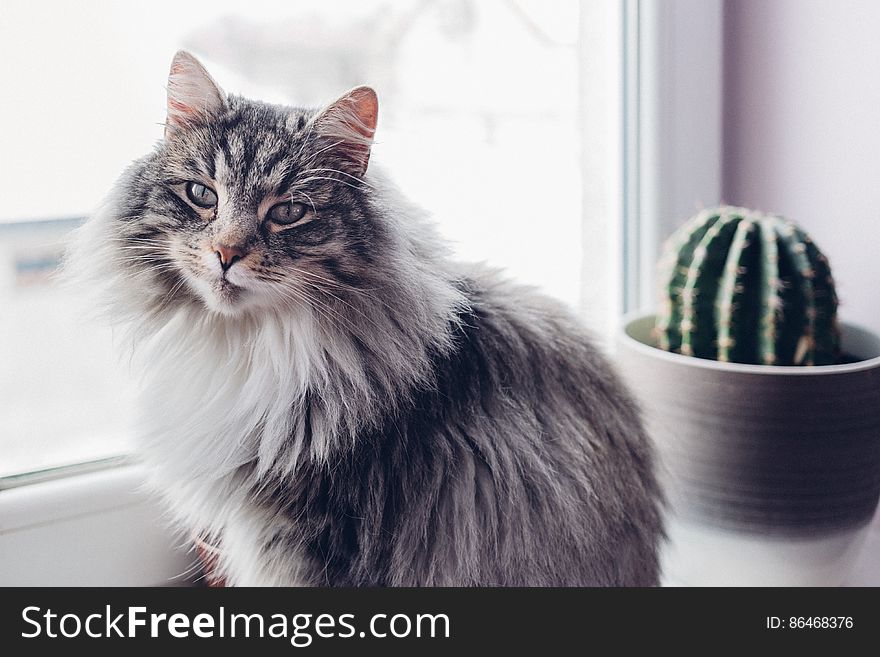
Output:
[[253, 149]]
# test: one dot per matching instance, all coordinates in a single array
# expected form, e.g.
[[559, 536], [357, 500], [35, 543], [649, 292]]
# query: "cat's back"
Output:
[[557, 436], [537, 346]]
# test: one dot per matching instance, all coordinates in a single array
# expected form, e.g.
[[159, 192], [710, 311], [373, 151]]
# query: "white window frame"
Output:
[[664, 142], [673, 88]]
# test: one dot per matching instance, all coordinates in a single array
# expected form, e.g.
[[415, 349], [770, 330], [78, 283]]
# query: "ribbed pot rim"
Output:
[[851, 333]]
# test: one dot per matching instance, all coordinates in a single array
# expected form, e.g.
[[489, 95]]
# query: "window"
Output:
[[481, 122], [553, 139]]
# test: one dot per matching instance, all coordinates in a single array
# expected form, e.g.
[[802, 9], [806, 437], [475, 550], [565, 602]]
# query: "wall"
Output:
[[802, 129]]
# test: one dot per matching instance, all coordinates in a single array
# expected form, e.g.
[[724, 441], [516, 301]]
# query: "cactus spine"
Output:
[[746, 287]]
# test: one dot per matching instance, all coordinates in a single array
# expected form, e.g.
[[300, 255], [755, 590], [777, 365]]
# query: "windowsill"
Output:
[[93, 529], [866, 571], [101, 529]]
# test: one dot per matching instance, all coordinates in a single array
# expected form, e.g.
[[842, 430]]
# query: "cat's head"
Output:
[[246, 205]]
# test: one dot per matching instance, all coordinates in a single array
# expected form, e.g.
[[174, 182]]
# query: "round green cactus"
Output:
[[746, 287]]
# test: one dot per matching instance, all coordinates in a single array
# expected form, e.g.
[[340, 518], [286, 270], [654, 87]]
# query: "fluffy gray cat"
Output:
[[332, 397]]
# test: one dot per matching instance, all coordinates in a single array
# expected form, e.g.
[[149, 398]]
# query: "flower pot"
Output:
[[772, 473]]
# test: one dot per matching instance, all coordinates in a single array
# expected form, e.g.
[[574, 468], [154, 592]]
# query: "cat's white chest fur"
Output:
[[218, 397]]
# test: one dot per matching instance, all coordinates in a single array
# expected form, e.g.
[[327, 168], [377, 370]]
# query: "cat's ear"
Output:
[[193, 96], [350, 122]]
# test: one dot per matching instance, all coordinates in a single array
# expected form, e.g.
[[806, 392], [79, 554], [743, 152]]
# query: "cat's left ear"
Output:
[[350, 122], [193, 96]]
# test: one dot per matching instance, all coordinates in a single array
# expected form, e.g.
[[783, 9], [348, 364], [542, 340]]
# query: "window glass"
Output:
[[478, 123]]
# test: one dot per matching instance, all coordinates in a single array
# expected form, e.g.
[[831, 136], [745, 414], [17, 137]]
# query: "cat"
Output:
[[329, 394]]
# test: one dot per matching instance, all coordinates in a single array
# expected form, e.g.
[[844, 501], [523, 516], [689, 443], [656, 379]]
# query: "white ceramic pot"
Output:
[[772, 473]]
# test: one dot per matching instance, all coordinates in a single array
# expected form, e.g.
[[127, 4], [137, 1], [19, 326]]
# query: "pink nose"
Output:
[[229, 254]]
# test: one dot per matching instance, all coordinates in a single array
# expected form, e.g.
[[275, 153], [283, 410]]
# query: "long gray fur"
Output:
[[375, 413]]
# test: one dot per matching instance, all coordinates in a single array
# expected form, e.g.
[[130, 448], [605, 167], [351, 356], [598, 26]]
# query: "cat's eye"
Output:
[[200, 195], [287, 213]]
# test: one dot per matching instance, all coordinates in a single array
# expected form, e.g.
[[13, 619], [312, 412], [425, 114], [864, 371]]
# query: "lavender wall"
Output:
[[802, 129]]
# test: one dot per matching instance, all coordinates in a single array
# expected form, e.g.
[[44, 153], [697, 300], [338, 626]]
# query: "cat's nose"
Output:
[[228, 255]]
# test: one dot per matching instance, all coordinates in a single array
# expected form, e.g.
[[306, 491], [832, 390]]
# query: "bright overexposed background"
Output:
[[479, 123]]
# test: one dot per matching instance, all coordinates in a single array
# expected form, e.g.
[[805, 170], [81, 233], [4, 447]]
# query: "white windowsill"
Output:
[[93, 529], [101, 529]]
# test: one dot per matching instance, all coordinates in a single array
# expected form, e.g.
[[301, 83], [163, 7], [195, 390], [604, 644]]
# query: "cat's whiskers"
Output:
[[282, 273], [140, 273], [311, 202], [301, 298], [169, 297], [315, 154], [341, 287], [334, 283], [323, 310], [305, 140], [164, 260], [324, 282], [134, 245], [311, 178], [327, 312], [369, 319], [357, 179]]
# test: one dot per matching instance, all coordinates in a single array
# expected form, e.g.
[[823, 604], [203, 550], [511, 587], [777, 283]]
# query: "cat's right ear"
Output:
[[194, 98]]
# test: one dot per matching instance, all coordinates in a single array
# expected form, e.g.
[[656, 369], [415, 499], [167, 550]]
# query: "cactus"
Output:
[[746, 287]]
